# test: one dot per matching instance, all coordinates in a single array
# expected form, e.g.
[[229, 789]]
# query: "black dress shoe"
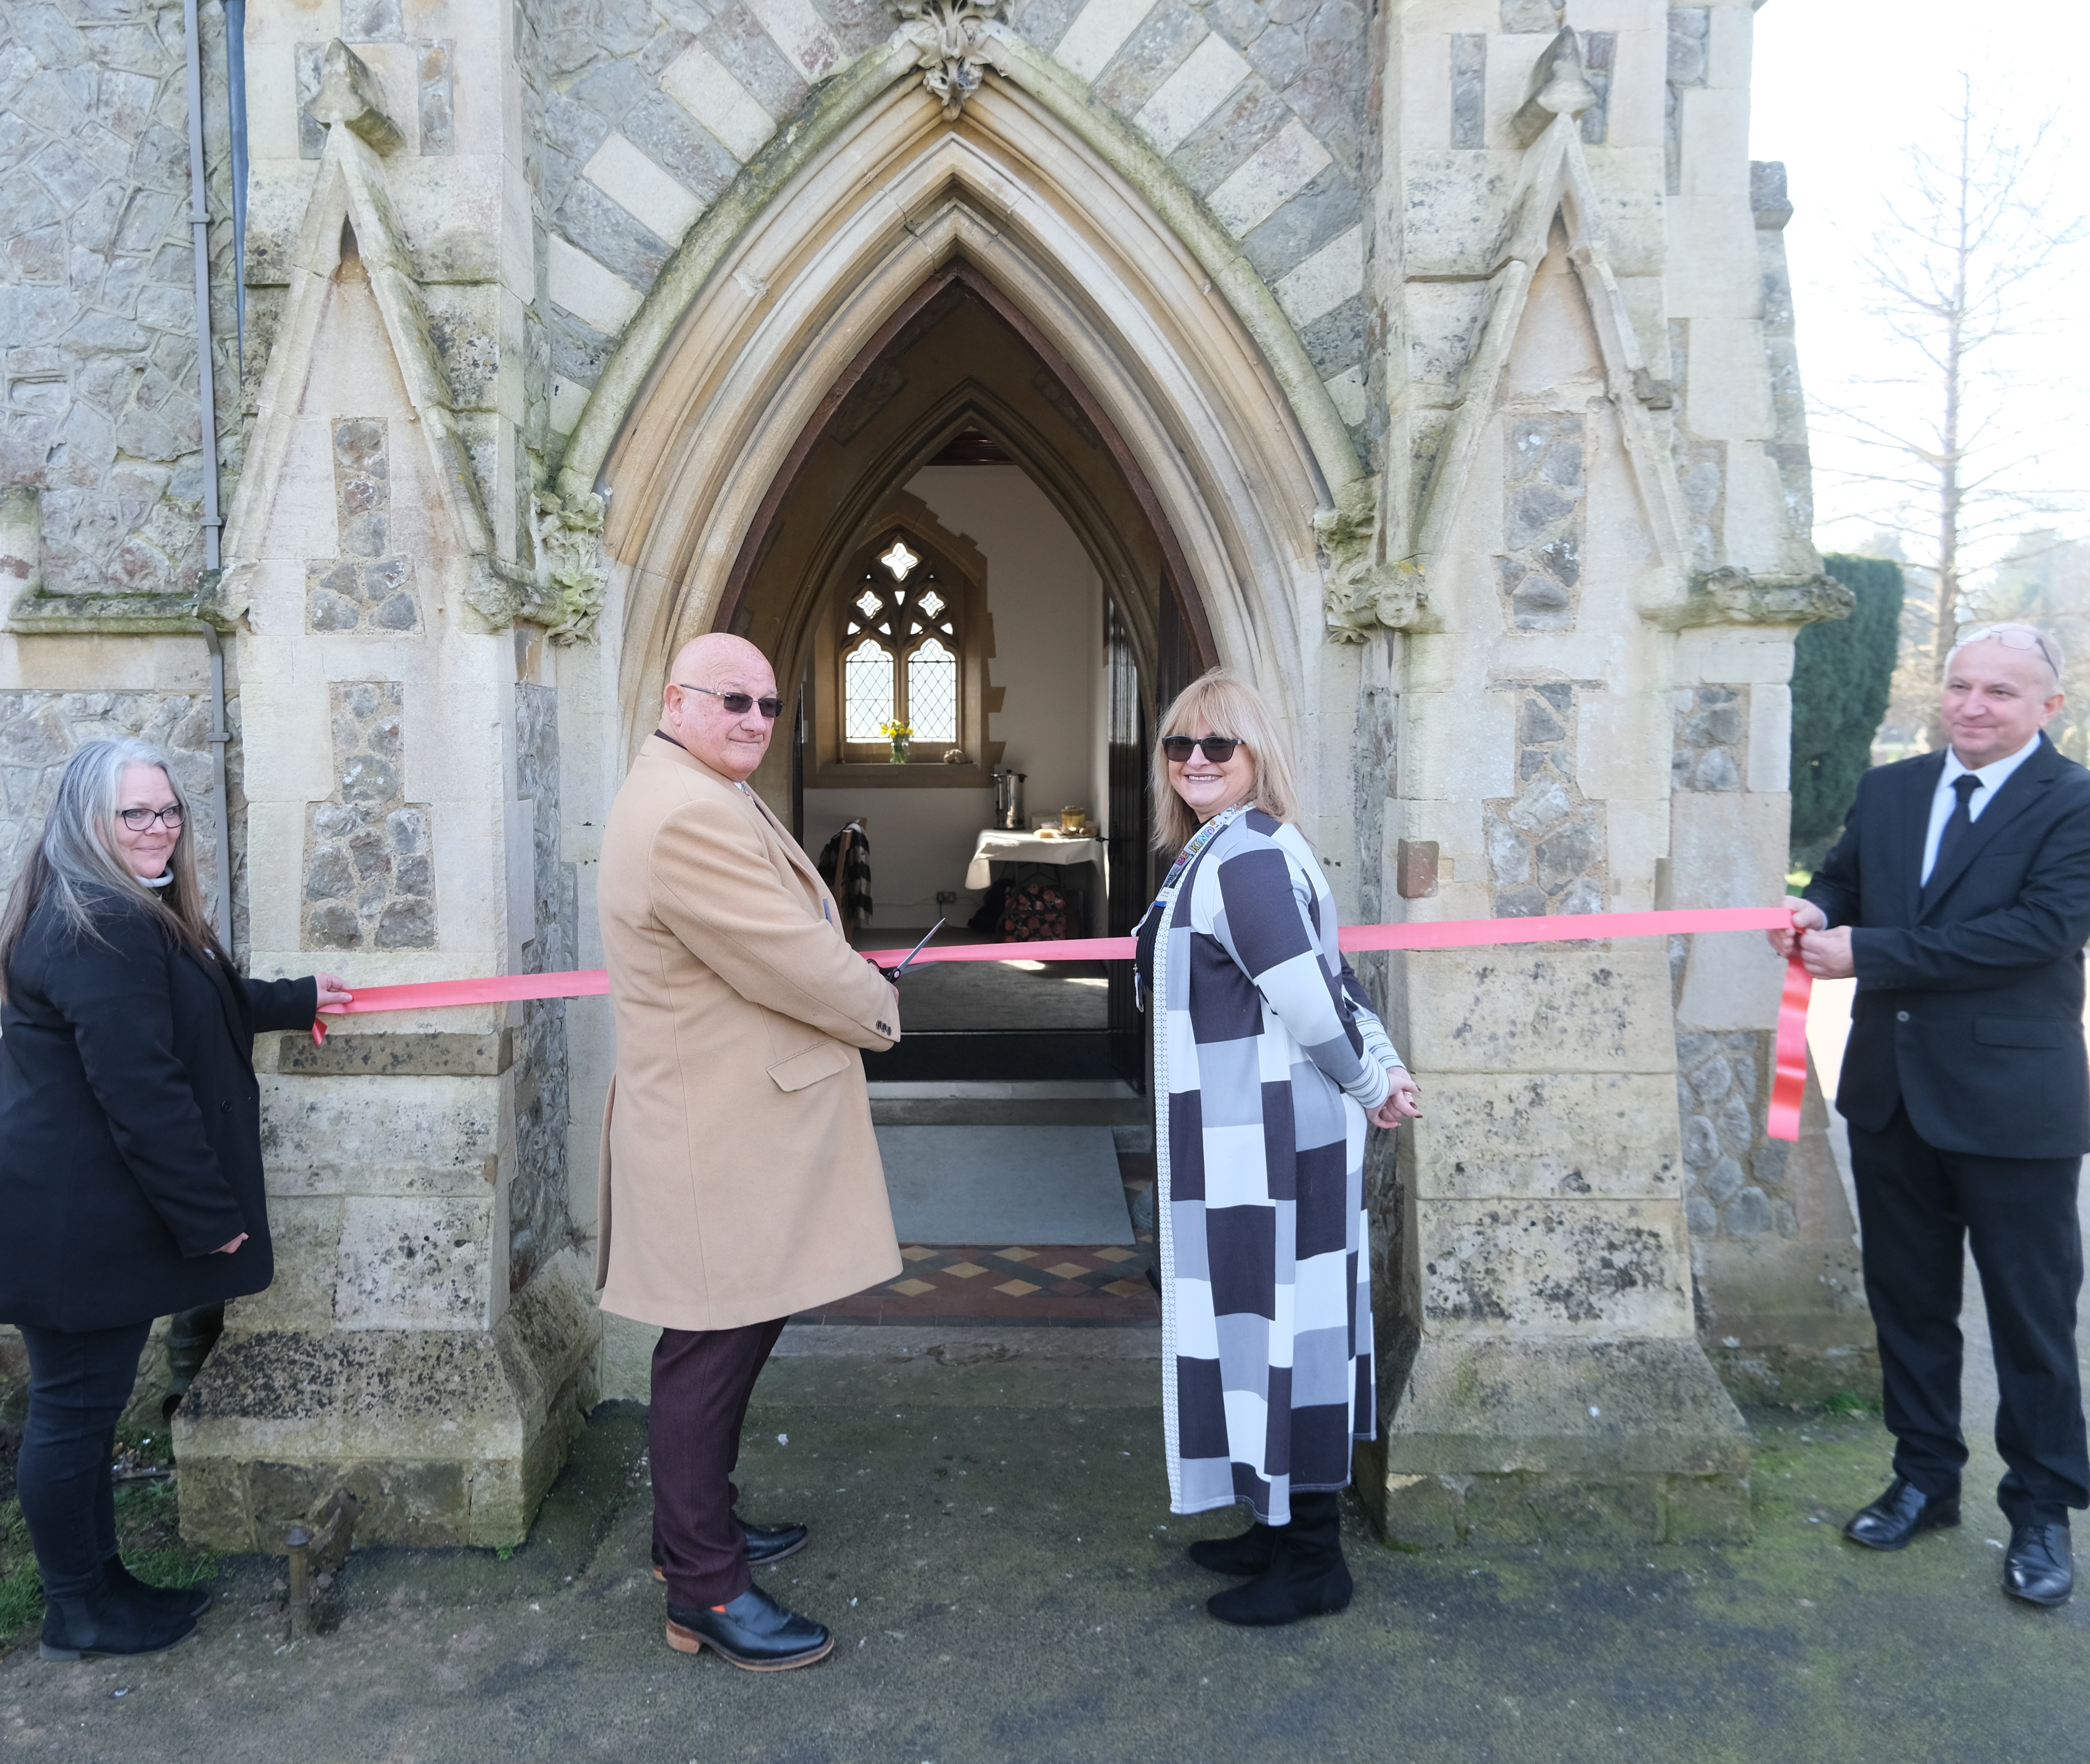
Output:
[[2039, 1567], [189, 1601], [754, 1632], [772, 1543], [1893, 1520], [765, 1544], [1250, 1553]]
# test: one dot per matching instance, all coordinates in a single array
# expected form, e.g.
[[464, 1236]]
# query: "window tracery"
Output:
[[900, 651]]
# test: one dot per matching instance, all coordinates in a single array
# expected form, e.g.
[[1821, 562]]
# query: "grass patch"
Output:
[[1846, 1403], [21, 1592]]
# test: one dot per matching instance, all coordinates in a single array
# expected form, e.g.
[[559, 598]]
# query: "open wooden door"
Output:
[[1129, 822]]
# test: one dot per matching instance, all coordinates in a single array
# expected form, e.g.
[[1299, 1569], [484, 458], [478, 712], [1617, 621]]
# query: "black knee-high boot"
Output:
[[1307, 1576], [1250, 1553]]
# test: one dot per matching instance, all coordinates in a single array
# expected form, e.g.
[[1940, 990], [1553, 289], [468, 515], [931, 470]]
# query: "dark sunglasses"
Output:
[[740, 704], [1219, 749]]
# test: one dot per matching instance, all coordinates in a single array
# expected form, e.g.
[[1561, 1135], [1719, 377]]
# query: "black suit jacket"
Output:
[[1969, 1008], [130, 1124]]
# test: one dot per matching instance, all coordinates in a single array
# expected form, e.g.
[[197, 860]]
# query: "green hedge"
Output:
[[1841, 672]]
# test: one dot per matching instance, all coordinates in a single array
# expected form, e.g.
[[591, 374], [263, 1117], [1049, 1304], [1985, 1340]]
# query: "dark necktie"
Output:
[[1956, 825]]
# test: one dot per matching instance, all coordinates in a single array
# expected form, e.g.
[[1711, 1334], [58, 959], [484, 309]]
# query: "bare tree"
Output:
[[1972, 251]]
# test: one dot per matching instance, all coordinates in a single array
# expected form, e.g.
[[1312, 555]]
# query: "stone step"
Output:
[[1004, 1103]]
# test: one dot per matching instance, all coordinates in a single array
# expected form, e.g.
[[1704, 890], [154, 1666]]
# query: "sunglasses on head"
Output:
[[1219, 749], [2011, 637], [740, 704]]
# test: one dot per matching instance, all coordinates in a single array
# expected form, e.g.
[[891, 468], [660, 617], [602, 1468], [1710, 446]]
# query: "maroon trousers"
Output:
[[701, 1382]]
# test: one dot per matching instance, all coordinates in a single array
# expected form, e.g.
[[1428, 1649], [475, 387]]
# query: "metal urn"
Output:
[[1009, 798]]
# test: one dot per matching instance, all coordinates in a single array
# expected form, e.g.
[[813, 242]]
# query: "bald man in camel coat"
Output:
[[740, 1178]]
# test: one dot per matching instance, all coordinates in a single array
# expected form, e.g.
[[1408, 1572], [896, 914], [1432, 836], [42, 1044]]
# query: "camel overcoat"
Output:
[[740, 1178]]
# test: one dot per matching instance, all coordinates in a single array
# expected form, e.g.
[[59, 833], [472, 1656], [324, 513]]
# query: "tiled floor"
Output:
[[1022, 1283]]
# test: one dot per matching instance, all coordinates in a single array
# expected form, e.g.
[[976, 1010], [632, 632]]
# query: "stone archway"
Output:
[[1076, 256], [955, 357]]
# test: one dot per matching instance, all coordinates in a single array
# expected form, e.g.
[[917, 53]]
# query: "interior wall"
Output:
[[1046, 600]]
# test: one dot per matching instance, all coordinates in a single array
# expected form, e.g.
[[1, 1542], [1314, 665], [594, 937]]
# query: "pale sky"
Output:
[[1842, 87]]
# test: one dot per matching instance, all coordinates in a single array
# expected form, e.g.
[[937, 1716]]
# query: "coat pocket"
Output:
[[2027, 1032], [811, 1066]]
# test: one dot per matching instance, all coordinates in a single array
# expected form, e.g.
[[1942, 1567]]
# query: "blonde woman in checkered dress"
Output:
[[1269, 1062]]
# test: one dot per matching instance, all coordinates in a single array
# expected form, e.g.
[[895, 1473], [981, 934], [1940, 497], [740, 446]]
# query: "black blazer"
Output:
[[1969, 1008], [130, 1124]]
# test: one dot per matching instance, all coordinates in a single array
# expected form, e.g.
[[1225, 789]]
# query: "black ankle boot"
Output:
[[189, 1601], [1250, 1553], [107, 1622], [1307, 1576]]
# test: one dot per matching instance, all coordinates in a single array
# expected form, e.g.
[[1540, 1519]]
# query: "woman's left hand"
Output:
[[1400, 1103], [333, 990]]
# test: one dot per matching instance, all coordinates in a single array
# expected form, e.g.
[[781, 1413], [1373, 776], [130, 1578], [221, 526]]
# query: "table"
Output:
[[1001, 845]]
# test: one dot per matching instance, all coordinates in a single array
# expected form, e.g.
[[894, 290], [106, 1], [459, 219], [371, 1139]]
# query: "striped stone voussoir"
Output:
[[1263, 120]]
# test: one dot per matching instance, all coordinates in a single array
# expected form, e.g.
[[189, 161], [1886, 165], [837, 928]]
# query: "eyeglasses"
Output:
[[2011, 637], [740, 704], [1219, 749], [138, 820]]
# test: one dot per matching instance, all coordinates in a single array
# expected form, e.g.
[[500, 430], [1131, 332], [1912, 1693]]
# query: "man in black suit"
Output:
[[1960, 896]]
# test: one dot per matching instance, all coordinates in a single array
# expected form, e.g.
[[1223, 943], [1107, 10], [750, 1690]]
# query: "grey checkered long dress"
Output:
[[1266, 1054]]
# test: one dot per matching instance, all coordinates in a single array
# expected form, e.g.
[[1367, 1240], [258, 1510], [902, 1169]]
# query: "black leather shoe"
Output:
[[1893, 1521], [188, 1601], [772, 1543], [765, 1544], [108, 1623], [754, 1632], [1249, 1554], [2039, 1567]]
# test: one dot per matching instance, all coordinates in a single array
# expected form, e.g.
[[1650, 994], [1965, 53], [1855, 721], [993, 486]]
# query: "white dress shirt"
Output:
[[1993, 776]]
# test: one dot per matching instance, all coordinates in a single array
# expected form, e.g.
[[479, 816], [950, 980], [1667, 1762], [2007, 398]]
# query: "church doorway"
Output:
[[963, 581]]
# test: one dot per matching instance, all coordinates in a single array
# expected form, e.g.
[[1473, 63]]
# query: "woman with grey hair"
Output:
[[130, 1155], [1268, 1063]]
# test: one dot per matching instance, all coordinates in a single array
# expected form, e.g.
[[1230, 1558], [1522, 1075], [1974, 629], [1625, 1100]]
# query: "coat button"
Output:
[[224, 1107], [1901, 1017]]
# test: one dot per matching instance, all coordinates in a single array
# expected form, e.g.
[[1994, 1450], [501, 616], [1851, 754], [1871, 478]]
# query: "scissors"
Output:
[[894, 973]]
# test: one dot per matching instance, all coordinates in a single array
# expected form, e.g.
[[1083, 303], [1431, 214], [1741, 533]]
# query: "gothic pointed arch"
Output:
[[1236, 461]]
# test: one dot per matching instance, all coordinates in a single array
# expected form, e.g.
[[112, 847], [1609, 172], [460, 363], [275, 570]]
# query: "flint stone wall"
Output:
[[97, 304], [539, 1223]]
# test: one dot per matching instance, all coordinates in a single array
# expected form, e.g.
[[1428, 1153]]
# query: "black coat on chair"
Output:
[[1969, 1007], [130, 1123]]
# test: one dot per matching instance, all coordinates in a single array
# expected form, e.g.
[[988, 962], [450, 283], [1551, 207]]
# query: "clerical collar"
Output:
[[157, 881]]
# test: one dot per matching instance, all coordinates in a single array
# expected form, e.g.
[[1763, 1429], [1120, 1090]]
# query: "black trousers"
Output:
[[79, 1382], [701, 1382], [1918, 1207]]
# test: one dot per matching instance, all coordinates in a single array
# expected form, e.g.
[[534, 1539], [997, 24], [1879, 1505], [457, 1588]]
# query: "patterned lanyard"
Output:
[[1204, 836]]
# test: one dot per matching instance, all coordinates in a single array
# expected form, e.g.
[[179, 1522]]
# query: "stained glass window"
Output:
[[900, 560], [867, 691], [932, 692]]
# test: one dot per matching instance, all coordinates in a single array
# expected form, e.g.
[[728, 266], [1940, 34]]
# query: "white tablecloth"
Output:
[[999, 845]]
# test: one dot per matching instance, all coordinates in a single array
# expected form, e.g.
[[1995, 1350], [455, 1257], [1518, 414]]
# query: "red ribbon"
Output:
[[1787, 1087]]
